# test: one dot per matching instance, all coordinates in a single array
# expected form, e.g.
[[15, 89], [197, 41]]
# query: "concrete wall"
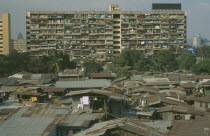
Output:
[[167, 116], [201, 106], [197, 104]]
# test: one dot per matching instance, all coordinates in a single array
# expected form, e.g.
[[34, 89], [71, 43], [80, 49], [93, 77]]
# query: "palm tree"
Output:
[[56, 63]]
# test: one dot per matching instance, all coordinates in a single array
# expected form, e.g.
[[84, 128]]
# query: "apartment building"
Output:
[[19, 45], [5, 34], [98, 35]]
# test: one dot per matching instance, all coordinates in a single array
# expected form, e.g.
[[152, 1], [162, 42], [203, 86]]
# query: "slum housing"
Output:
[[99, 104]]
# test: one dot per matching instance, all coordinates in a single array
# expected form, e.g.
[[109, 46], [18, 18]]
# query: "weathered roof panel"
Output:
[[190, 127], [93, 83], [4, 89], [8, 81]]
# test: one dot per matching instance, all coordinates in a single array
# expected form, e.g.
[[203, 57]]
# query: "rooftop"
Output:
[[182, 109], [102, 75], [91, 83], [130, 125], [200, 99], [41, 119], [101, 92], [190, 127], [8, 81]]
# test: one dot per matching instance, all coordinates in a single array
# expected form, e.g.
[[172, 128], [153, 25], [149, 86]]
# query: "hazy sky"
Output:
[[198, 11]]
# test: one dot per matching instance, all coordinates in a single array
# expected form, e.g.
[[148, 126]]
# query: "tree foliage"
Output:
[[17, 62], [164, 61], [143, 65], [123, 73], [134, 58], [13, 63], [186, 60], [92, 67], [202, 67], [4, 66], [60, 62], [203, 51]]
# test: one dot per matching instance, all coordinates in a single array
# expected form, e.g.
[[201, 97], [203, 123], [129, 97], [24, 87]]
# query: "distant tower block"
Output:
[[197, 41], [20, 36], [114, 8]]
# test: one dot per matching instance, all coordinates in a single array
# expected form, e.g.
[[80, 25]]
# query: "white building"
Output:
[[196, 41]]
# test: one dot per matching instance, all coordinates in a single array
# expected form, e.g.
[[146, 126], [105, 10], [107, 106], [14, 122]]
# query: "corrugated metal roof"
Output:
[[160, 125], [160, 99], [161, 83], [102, 75], [22, 126], [38, 76], [93, 83], [190, 127], [130, 125], [8, 89], [154, 80], [32, 121], [189, 85], [82, 120], [144, 89], [8, 81], [53, 89], [40, 120], [102, 92], [35, 81], [182, 109], [89, 91], [199, 99]]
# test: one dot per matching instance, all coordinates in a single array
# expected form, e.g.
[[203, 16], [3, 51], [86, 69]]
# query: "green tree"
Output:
[[119, 61], [203, 51], [17, 61], [164, 61], [202, 67], [123, 73], [4, 64], [92, 67], [186, 60], [143, 64], [132, 56], [56, 63], [61, 61], [66, 62], [39, 65]]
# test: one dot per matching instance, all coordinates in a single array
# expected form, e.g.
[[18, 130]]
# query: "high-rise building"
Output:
[[100, 34], [196, 41], [19, 45], [20, 36], [5, 34]]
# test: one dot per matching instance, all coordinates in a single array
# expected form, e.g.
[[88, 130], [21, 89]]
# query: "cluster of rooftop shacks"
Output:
[[99, 104]]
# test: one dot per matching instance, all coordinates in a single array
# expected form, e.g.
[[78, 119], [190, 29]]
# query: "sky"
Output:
[[198, 11]]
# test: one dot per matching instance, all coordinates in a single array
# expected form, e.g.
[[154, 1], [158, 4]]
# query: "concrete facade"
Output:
[[98, 35], [19, 45], [5, 34], [196, 41]]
